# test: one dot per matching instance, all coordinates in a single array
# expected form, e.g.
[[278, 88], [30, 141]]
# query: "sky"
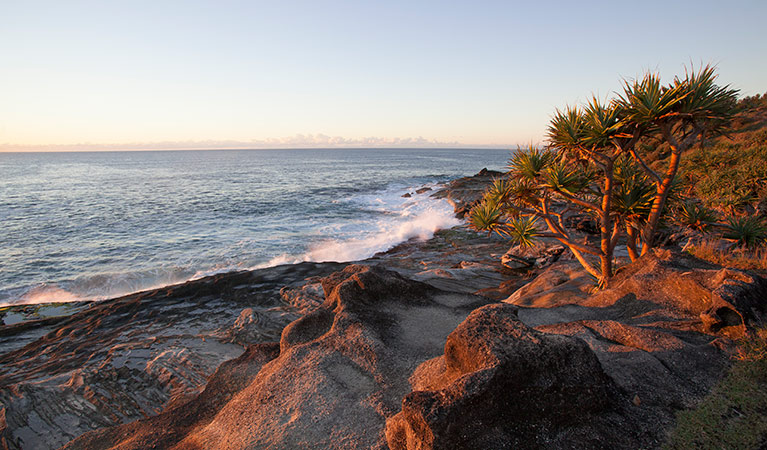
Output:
[[78, 75]]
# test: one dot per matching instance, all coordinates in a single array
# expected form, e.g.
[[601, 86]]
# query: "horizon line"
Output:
[[217, 149]]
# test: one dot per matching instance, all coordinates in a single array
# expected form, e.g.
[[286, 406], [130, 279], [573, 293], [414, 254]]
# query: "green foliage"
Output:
[[487, 216], [704, 100], [692, 215], [565, 178], [528, 164], [526, 193], [746, 231], [632, 199], [566, 129], [729, 175], [523, 231], [501, 191], [646, 100]]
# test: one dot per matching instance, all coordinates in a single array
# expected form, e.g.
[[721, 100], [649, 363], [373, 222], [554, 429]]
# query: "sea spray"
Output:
[[418, 218]]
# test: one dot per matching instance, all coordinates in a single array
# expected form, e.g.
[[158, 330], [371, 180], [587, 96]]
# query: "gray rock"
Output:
[[539, 255]]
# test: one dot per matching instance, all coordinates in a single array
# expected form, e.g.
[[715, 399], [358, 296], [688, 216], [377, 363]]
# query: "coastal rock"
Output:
[[341, 371], [124, 359], [538, 255], [304, 298], [724, 301], [467, 277], [464, 192], [500, 384], [658, 330], [563, 283]]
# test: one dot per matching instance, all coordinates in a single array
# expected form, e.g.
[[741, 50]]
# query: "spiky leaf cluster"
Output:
[[748, 231], [523, 231], [694, 216]]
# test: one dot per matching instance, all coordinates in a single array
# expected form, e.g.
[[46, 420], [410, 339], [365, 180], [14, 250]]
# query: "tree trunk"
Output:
[[631, 242], [605, 226], [661, 195]]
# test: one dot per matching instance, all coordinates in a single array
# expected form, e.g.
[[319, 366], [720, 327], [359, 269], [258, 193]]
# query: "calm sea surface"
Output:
[[94, 225]]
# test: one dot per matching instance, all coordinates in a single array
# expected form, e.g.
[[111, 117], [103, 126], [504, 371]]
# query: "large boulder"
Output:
[[500, 384]]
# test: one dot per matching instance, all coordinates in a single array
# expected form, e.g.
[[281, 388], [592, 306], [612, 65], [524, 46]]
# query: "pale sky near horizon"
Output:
[[196, 74]]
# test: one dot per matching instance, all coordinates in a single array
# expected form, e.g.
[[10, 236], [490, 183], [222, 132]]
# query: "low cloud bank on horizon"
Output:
[[297, 141]]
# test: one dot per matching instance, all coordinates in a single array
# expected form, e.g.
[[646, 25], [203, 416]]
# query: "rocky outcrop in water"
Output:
[[463, 193]]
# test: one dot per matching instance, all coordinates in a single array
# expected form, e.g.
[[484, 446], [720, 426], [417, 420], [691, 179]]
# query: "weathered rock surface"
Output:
[[341, 371], [501, 384], [128, 358], [541, 254], [658, 331], [459, 260]]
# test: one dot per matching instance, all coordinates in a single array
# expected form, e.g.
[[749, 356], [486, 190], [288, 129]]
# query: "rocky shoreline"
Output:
[[434, 344]]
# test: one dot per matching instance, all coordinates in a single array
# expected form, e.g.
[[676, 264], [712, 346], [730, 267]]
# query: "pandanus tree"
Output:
[[679, 114], [593, 165]]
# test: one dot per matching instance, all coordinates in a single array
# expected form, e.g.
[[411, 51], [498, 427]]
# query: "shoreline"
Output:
[[15, 313]]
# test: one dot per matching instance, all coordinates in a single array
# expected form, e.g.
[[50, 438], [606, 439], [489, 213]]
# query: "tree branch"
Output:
[[655, 177], [579, 202]]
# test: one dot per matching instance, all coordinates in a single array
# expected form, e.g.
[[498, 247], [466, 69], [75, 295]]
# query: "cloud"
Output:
[[297, 141]]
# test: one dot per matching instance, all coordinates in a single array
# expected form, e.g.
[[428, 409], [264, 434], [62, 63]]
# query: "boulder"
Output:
[[500, 384], [563, 283], [538, 255]]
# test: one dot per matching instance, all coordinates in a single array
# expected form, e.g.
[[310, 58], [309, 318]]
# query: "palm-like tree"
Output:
[[680, 114], [593, 164]]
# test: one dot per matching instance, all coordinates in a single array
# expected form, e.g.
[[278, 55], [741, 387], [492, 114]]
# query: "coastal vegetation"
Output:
[[656, 162]]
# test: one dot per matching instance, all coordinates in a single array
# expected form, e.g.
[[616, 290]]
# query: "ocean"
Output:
[[96, 225]]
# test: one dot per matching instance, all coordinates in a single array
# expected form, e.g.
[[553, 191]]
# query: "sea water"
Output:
[[95, 225]]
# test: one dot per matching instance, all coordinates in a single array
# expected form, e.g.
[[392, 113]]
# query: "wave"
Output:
[[391, 220], [417, 216]]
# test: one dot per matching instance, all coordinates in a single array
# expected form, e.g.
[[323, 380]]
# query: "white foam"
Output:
[[416, 217], [45, 294]]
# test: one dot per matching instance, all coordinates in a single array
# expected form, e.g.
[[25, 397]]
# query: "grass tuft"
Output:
[[741, 258]]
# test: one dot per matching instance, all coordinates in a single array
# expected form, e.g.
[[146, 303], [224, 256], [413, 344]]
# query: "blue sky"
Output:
[[181, 74]]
